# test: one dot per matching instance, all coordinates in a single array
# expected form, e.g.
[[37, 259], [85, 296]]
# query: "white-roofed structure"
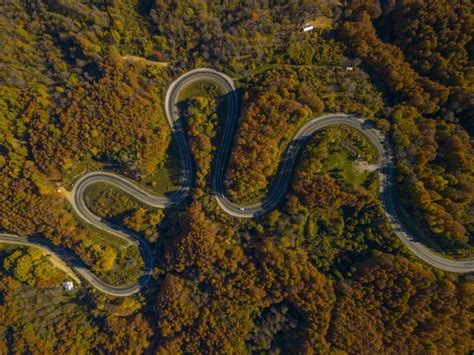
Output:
[[68, 286]]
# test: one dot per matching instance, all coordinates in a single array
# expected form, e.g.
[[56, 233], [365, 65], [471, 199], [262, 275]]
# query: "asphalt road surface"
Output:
[[272, 200]]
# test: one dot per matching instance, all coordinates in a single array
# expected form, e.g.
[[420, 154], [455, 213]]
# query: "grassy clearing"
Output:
[[341, 164], [355, 141], [350, 152], [320, 22]]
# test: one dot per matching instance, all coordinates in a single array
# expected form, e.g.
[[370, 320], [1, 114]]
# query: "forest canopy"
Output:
[[82, 88]]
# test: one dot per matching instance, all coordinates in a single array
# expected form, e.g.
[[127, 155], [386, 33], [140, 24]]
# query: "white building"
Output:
[[68, 286], [307, 28]]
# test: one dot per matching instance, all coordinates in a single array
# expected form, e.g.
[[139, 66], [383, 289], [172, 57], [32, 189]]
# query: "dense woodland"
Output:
[[82, 85], [435, 155], [272, 116]]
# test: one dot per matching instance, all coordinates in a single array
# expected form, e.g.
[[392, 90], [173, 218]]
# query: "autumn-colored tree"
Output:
[[389, 63], [196, 244], [107, 121], [270, 117], [435, 162], [402, 307]]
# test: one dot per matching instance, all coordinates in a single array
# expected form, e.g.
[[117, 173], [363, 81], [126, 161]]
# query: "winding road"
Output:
[[273, 198]]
